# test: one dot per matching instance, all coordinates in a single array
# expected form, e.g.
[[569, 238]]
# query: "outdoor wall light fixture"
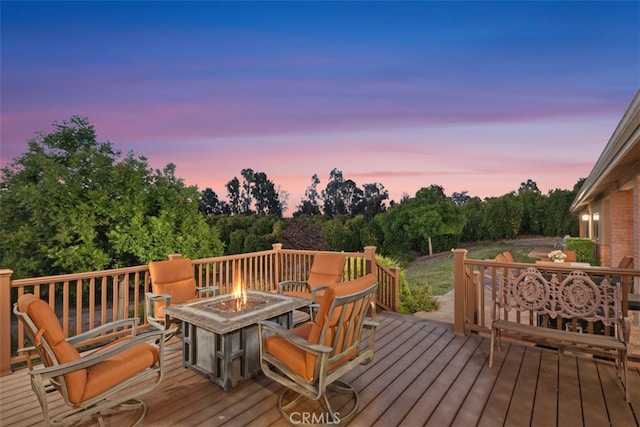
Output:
[[585, 217], [596, 216]]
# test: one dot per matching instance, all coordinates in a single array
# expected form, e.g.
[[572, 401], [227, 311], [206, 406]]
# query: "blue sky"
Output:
[[473, 96]]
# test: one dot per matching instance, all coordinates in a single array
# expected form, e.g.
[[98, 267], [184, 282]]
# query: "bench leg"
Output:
[[623, 362], [491, 349]]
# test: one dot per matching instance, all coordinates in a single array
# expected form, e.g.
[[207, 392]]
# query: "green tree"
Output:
[[502, 216], [304, 233], [255, 194], [72, 204], [410, 226], [247, 233], [557, 219], [310, 206], [460, 198], [473, 210], [168, 222], [210, 204], [343, 233], [532, 208], [373, 198], [233, 193], [335, 196]]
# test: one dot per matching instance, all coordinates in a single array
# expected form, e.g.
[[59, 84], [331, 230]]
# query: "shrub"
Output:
[[412, 299], [585, 249], [419, 298]]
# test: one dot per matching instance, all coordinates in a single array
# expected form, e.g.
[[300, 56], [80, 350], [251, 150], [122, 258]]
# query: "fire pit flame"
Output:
[[239, 300], [239, 295]]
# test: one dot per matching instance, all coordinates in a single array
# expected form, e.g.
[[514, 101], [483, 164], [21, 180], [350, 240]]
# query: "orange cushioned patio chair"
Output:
[[571, 256], [172, 282], [97, 383], [309, 359]]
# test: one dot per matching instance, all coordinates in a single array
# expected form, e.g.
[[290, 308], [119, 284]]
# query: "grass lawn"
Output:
[[439, 272]]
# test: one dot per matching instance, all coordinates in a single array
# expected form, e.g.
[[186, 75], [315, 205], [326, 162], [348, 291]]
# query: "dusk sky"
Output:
[[472, 96]]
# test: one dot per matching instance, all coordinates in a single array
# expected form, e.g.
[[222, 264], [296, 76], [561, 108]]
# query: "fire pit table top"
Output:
[[215, 315]]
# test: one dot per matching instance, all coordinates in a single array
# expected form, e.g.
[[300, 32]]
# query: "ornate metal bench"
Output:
[[529, 294]]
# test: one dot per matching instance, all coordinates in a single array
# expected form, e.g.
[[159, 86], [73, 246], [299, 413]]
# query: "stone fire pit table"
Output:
[[223, 344]]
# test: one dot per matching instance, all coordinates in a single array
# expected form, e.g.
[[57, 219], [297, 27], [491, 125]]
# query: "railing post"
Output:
[[277, 268], [5, 321], [459, 290], [396, 288], [370, 257]]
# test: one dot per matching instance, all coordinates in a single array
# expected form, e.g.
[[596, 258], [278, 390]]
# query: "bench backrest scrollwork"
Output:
[[575, 296]]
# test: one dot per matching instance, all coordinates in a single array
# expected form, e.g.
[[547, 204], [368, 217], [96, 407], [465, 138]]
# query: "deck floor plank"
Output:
[[594, 410], [476, 400], [411, 365], [404, 363], [421, 374], [569, 392], [408, 389], [446, 413], [497, 407], [434, 395], [618, 409], [521, 406], [546, 402]]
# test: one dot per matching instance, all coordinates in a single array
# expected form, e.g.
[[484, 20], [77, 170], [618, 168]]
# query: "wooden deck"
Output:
[[421, 375]]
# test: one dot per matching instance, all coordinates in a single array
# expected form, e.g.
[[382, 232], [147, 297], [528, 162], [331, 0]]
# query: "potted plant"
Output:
[[557, 255]]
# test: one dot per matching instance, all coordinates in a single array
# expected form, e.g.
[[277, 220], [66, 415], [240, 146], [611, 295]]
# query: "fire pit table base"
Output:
[[226, 359], [223, 343]]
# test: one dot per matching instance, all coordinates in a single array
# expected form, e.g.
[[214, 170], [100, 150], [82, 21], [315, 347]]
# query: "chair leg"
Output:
[[130, 405]]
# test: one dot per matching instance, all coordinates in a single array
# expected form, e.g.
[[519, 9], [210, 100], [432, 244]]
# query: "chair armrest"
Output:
[[267, 325], [213, 289], [370, 324], [293, 285], [150, 297], [116, 324], [31, 355], [100, 356], [158, 297], [315, 290]]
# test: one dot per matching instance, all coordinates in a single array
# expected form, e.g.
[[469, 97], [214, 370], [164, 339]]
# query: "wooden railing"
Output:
[[476, 282], [86, 300]]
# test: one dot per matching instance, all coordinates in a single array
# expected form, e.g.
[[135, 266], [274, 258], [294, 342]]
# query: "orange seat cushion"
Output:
[[118, 368], [293, 357]]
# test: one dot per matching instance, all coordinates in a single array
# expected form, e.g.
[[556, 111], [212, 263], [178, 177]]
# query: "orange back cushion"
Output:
[[174, 277], [326, 269], [46, 321]]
